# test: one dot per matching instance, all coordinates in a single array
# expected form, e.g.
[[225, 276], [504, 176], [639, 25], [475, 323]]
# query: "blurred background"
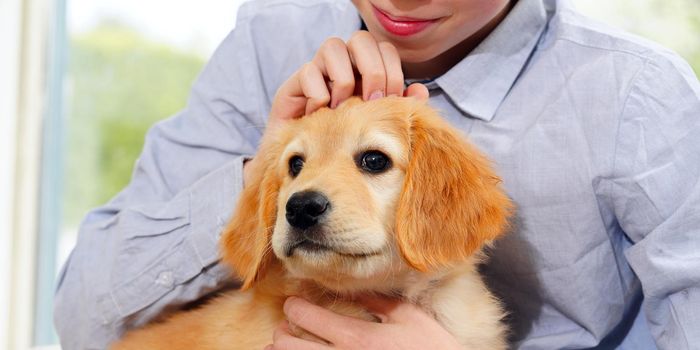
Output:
[[80, 83]]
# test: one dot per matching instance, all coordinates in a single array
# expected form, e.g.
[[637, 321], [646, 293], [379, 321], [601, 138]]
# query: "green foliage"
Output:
[[694, 24], [672, 23], [119, 84], [680, 29]]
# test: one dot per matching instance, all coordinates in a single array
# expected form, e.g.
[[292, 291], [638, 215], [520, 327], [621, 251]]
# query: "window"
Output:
[[87, 79]]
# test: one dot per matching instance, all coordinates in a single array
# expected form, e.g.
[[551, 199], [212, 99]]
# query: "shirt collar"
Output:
[[479, 83]]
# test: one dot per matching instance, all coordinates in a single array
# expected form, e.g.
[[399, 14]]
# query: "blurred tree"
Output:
[[675, 24], [694, 34], [119, 84]]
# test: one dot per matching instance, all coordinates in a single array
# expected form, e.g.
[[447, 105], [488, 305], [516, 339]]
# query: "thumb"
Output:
[[417, 90], [383, 307], [392, 310]]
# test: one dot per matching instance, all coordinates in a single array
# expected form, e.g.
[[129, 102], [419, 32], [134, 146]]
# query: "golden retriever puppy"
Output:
[[371, 197]]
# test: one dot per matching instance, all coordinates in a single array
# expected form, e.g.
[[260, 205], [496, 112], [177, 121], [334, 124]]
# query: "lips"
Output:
[[307, 245], [402, 26]]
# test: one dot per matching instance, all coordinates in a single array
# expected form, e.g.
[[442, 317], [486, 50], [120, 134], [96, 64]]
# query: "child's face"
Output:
[[424, 29]]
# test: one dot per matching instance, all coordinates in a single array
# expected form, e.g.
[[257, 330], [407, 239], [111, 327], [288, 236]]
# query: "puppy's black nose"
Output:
[[305, 208]]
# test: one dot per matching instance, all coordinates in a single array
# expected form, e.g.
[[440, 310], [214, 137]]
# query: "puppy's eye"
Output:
[[295, 165], [374, 162]]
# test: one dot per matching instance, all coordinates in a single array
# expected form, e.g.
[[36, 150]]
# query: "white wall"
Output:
[[9, 42], [23, 32]]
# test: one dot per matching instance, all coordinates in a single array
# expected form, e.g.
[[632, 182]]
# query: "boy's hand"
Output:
[[339, 70], [404, 326]]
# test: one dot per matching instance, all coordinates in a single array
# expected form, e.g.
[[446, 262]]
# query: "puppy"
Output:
[[371, 197]]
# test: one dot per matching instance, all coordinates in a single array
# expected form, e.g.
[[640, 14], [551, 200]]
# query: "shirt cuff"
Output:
[[212, 201]]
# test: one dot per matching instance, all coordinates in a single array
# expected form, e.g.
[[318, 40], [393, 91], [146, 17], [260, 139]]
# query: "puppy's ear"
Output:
[[246, 240], [451, 203]]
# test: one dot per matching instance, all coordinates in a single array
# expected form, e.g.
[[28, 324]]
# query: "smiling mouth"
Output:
[[309, 245], [402, 26]]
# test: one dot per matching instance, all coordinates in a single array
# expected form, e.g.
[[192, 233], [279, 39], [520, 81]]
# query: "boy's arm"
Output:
[[656, 197]]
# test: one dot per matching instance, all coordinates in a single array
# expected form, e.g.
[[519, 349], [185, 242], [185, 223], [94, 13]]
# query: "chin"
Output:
[[343, 274]]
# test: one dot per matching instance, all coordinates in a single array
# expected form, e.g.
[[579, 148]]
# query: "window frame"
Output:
[[10, 39], [25, 95], [51, 178]]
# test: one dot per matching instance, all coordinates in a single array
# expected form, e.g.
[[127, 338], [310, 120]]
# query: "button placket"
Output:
[[165, 279]]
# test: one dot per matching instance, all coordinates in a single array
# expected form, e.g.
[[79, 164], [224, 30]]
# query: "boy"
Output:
[[595, 133]]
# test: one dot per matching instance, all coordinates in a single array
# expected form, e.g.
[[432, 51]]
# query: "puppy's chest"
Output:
[[419, 293], [460, 302]]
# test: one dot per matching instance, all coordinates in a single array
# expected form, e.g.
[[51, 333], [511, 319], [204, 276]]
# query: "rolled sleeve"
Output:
[[175, 263], [207, 207], [657, 198]]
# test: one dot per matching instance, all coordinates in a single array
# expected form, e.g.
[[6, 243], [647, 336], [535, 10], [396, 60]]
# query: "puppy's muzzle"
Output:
[[304, 209]]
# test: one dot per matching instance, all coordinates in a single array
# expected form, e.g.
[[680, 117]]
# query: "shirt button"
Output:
[[165, 279]]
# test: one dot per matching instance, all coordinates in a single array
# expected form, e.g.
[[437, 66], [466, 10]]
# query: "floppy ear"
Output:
[[246, 240], [451, 203]]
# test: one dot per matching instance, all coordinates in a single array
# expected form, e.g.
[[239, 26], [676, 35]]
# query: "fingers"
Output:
[[334, 60], [417, 90], [365, 52], [392, 66], [378, 64], [337, 329], [304, 92], [284, 340], [313, 86], [329, 78], [391, 310], [380, 306]]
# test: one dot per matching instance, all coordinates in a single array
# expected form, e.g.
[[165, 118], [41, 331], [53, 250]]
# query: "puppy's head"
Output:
[[352, 196]]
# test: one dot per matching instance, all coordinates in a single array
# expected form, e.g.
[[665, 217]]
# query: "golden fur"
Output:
[[414, 231]]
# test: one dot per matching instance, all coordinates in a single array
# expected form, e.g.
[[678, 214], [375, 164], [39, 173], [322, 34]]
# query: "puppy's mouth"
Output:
[[312, 246]]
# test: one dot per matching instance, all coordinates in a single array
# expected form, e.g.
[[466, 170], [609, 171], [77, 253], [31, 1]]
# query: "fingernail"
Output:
[[285, 307], [376, 95], [337, 103]]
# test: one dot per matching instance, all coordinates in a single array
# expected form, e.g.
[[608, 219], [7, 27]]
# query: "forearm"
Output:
[[656, 196], [132, 263]]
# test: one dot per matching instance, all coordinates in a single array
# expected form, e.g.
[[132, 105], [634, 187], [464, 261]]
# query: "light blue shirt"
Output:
[[596, 134]]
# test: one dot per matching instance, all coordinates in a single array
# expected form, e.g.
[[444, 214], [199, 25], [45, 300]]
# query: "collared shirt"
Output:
[[596, 134]]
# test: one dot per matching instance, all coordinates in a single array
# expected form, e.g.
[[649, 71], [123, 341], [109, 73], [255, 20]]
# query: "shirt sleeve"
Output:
[[656, 194], [154, 246]]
